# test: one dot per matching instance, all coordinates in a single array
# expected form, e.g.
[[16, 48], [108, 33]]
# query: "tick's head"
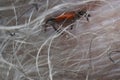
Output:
[[82, 12]]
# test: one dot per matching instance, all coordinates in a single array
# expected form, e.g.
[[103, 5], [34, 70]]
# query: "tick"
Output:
[[66, 17]]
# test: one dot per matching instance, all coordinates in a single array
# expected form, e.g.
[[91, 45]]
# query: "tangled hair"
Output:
[[90, 51]]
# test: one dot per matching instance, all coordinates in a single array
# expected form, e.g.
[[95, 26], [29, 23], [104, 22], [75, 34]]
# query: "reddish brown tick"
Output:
[[66, 17]]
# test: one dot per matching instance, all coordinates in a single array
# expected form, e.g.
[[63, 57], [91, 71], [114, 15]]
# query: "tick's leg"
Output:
[[45, 28], [53, 24], [50, 22], [54, 28], [87, 16], [87, 19], [71, 27]]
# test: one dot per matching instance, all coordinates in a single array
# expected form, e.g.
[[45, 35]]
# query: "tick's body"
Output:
[[66, 18]]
